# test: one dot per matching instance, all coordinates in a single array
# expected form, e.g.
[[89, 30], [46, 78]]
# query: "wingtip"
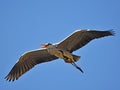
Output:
[[112, 32], [10, 79]]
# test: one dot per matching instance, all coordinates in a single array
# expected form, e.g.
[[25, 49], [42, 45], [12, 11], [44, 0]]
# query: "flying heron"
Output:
[[50, 52]]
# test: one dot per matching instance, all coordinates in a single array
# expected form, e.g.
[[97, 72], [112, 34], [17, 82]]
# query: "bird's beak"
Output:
[[44, 45]]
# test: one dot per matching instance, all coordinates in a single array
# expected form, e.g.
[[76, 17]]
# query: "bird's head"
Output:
[[45, 45]]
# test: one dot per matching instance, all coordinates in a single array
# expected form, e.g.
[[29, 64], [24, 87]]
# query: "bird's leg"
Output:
[[73, 63]]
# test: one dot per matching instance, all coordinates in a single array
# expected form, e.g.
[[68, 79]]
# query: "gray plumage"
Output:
[[73, 42]]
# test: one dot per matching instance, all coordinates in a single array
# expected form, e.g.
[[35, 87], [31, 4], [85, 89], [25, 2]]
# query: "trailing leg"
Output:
[[75, 65]]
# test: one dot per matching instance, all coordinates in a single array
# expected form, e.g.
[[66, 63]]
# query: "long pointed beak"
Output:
[[43, 45]]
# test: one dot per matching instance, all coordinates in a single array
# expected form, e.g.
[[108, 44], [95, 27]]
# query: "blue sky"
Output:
[[25, 24]]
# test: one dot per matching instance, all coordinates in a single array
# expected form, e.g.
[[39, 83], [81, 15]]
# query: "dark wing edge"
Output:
[[81, 37], [28, 61], [90, 35]]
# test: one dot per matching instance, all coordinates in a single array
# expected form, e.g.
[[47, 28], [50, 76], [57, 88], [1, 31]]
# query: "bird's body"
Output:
[[63, 54], [51, 52]]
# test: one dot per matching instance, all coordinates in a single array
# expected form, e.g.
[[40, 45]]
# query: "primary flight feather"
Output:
[[50, 52]]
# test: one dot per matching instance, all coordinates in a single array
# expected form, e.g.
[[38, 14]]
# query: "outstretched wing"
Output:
[[80, 38], [27, 61]]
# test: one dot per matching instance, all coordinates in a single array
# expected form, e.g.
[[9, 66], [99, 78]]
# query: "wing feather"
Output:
[[28, 61], [80, 38]]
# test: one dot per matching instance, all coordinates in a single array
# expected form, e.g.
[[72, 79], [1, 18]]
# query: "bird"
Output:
[[63, 49]]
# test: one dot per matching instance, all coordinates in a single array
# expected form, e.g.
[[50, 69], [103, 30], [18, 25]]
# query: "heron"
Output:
[[63, 49]]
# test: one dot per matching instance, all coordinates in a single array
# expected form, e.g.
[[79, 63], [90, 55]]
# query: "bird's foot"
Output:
[[75, 65]]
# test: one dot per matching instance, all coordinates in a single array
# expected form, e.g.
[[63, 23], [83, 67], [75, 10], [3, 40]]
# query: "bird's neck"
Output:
[[51, 49]]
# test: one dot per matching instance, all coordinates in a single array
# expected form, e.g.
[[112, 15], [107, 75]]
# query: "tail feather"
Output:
[[76, 58]]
